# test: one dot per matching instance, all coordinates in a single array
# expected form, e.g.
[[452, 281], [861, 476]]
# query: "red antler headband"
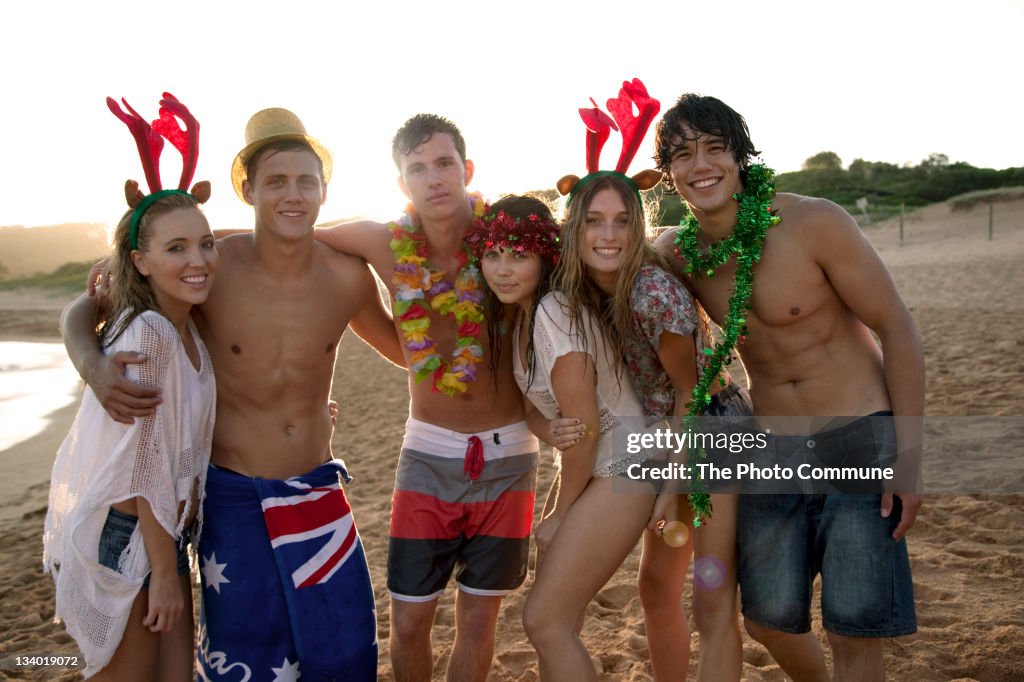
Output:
[[633, 127], [150, 141]]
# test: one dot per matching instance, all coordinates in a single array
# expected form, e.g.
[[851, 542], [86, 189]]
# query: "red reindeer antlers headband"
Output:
[[150, 141], [633, 127]]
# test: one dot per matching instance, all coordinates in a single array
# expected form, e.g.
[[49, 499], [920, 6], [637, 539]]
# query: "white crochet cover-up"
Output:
[[102, 462], [553, 337]]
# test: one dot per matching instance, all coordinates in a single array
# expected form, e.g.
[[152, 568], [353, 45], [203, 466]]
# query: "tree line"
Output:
[[885, 185]]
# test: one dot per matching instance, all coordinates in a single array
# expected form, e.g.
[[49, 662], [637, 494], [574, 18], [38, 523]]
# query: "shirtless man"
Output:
[[272, 326], [447, 513], [820, 290]]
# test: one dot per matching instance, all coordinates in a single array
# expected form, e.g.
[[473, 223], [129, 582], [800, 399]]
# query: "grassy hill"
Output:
[[69, 278], [30, 251]]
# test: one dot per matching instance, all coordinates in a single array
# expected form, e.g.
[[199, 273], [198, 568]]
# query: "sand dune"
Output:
[[967, 551]]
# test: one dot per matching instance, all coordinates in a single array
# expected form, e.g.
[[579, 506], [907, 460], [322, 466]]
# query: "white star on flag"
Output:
[[288, 672], [213, 573]]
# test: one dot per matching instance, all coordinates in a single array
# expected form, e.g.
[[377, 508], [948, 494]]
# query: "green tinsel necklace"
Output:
[[746, 242]]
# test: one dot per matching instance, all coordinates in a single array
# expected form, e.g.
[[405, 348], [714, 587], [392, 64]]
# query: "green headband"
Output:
[[603, 174], [143, 206]]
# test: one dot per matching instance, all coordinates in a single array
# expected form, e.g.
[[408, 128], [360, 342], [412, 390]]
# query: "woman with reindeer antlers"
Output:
[[618, 307], [125, 498]]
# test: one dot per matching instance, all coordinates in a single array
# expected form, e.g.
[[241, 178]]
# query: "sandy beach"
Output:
[[967, 551]]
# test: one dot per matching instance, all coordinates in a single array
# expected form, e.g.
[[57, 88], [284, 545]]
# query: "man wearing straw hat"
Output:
[[286, 589]]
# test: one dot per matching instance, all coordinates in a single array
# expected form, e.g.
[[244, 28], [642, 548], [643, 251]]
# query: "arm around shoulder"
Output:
[[121, 398], [374, 325], [78, 329], [355, 239]]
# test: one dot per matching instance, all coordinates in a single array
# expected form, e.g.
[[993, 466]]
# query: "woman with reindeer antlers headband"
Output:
[[616, 307], [125, 499]]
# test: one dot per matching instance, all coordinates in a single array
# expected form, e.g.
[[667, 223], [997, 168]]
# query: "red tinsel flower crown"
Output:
[[532, 234]]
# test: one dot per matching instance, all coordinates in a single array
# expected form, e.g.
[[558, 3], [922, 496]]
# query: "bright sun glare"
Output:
[[875, 80]]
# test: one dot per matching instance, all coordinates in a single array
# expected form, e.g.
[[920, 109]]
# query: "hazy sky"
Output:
[[885, 81]]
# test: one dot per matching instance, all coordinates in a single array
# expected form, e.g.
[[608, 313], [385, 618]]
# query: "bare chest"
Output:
[[788, 287], [264, 325]]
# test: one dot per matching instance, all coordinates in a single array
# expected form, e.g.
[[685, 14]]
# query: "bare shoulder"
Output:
[[665, 244], [235, 246], [664, 238], [341, 272], [338, 261], [813, 220], [367, 239], [359, 232], [800, 211], [360, 227]]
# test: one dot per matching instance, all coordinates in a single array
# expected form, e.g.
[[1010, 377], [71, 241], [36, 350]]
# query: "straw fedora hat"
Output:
[[266, 127]]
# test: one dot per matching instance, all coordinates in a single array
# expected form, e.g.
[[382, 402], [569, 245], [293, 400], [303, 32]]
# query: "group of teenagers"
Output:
[[515, 327]]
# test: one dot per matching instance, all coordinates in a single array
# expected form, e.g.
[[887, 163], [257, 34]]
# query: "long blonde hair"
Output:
[[130, 293], [613, 315]]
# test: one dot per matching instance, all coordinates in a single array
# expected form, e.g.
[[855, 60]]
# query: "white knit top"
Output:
[[102, 462]]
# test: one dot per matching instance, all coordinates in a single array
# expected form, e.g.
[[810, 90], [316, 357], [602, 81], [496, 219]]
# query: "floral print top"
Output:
[[660, 303]]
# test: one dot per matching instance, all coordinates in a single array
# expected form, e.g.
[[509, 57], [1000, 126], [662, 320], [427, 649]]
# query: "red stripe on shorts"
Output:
[[418, 516]]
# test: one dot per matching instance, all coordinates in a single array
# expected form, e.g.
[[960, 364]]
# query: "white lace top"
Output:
[[159, 458], [620, 410]]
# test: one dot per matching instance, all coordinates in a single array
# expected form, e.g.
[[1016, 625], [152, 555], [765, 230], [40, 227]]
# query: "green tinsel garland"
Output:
[[746, 242]]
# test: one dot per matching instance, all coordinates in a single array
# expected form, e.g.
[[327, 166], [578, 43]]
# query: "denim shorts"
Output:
[[117, 532], [728, 413], [785, 540]]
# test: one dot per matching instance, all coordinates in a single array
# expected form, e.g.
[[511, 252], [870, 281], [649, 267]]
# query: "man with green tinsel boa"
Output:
[[822, 387]]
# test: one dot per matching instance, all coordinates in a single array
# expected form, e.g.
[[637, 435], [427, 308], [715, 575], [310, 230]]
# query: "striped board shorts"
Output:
[[463, 503]]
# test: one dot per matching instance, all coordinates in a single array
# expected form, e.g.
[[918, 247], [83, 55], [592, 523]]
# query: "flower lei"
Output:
[[746, 242], [415, 281]]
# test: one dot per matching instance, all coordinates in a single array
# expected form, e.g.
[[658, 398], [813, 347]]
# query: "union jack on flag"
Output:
[[298, 517], [300, 602]]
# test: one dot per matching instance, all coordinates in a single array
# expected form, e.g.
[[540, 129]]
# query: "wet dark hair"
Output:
[[280, 146], [519, 206], [420, 128], [702, 115]]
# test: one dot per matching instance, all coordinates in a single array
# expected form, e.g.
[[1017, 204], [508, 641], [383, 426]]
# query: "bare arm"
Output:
[[677, 354], [560, 433], [666, 246], [574, 383], [78, 327], [375, 326], [121, 398], [220, 234], [862, 281], [166, 601], [355, 239]]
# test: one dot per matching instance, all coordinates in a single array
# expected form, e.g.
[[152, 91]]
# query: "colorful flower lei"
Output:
[[415, 281], [532, 234], [746, 242]]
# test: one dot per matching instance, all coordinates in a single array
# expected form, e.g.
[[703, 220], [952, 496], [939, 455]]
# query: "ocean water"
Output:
[[35, 380]]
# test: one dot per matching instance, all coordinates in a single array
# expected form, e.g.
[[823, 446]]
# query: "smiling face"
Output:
[[705, 172], [286, 192], [606, 238], [179, 261], [434, 178], [513, 276]]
